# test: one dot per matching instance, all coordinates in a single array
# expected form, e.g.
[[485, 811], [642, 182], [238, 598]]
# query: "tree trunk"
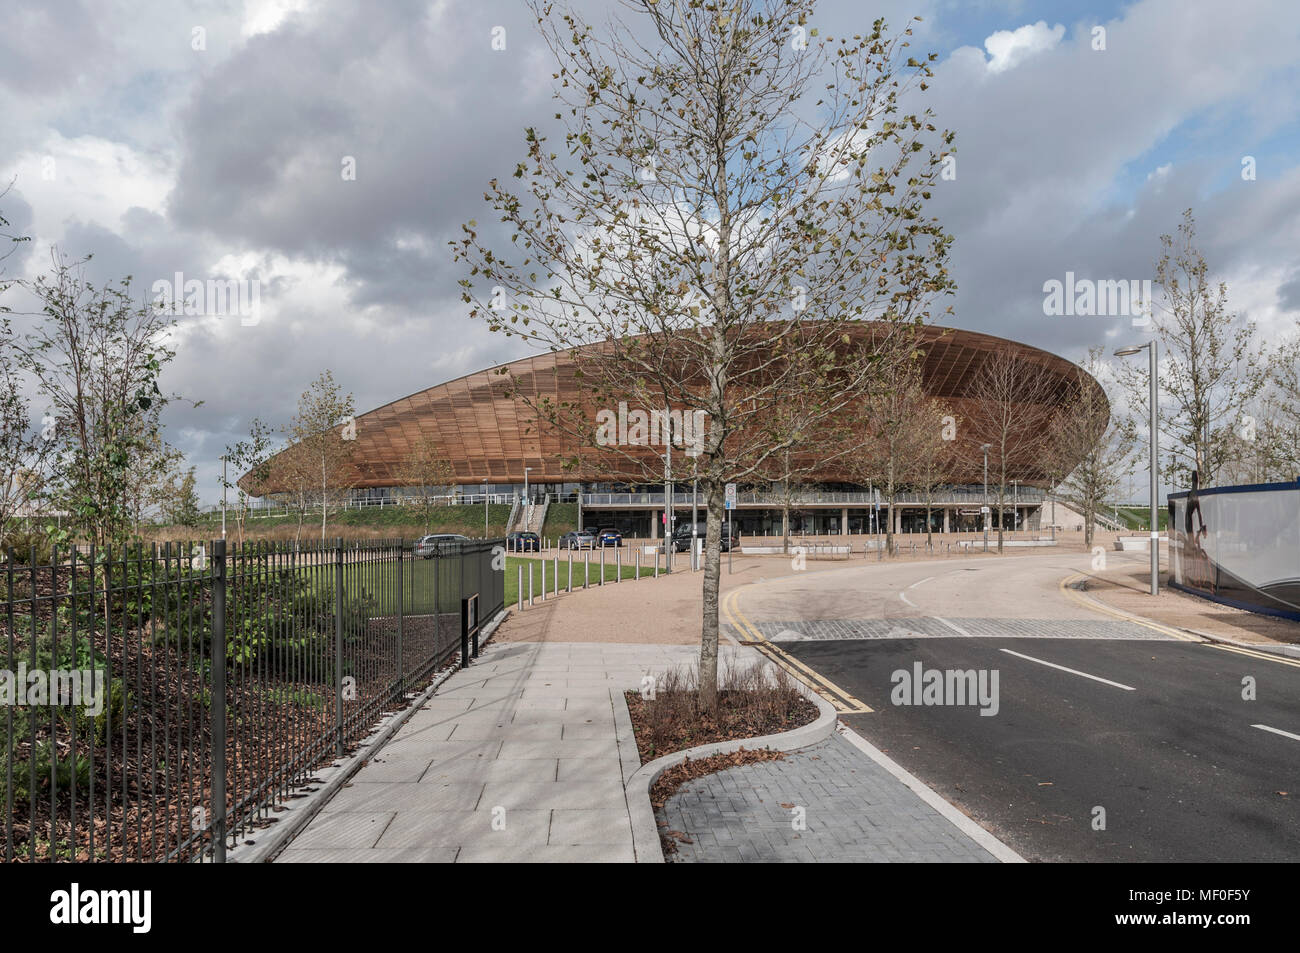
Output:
[[712, 583]]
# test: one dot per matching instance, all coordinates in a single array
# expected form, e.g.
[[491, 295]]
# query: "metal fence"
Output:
[[157, 703]]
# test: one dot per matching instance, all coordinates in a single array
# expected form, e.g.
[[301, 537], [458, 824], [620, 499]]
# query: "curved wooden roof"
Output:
[[485, 433]]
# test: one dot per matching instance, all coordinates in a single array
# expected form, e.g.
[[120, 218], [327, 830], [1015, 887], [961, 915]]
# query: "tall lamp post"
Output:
[[1152, 348], [485, 509], [526, 469], [223, 496], [985, 518]]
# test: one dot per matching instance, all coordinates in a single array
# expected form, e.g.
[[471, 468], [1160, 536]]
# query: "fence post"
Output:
[[218, 806], [338, 645], [401, 677]]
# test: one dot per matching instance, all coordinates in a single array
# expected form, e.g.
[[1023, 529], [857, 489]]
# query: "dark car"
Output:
[[682, 537], [609, 537], [427, 546], [518, 542], [581, 539]]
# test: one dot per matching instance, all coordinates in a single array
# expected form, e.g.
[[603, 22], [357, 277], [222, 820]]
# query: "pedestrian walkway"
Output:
[[828, 802], [516, 758]]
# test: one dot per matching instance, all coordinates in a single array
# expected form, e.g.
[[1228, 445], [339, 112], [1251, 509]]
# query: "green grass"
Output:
[[423, 580], [405, 521], [1135, 517], [533, 566]]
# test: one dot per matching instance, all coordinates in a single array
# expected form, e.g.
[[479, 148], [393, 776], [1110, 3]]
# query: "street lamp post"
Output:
[[223, 496], [485, 509], [526, 469], [985, 516], [1015, 505], [1152, 348]]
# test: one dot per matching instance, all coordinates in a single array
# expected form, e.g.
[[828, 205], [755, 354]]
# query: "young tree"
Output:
[[727, 196], [96, 357], [183, 498], [429, 474], [1012, 396], [324, 429], [1085, 432], [251, 457], [1210, 369], [24, 448]]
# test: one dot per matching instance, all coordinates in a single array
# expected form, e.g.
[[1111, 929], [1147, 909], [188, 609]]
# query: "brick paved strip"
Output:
[[851, 810]]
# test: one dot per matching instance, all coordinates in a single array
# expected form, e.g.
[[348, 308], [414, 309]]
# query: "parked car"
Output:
[[520, 542], [609, 537], [581, 539], [682, 536], [427, 546]]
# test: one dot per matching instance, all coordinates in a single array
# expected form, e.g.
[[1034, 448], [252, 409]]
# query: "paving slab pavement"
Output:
[[516, 758]]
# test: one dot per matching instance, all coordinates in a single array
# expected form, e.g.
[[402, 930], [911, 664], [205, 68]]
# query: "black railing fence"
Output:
[[157, 702]]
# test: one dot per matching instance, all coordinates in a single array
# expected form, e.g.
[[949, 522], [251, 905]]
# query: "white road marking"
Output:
[[1095, 678], [922, 582], [903, 596], [1277, 731], [955, 627]]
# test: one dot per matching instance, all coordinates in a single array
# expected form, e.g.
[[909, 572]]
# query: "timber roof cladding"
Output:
[[484, 433]]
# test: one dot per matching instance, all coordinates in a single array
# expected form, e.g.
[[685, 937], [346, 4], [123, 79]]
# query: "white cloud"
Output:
[[1007, 48]]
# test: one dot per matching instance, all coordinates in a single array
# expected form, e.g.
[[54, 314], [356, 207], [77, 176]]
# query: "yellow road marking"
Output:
[[1185, 636], [836, 696]]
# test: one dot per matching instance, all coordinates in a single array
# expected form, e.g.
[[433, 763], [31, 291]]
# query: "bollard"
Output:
[[530, 584], [656, 562], [618, 564], [638, 566], [586, 568], [555, 573], [519, 589], [569, 588], [602, 564], [543, 562]]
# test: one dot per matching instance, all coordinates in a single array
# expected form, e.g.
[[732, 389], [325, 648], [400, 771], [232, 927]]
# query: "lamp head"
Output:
[[1130, 349]]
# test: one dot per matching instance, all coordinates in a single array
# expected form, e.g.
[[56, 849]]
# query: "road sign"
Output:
[[731, 497]]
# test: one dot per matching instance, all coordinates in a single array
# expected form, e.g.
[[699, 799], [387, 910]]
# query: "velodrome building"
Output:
[[493, 442]]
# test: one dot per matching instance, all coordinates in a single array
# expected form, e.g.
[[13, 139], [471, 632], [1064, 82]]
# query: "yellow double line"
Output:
[[1096, 606], [843, 702]]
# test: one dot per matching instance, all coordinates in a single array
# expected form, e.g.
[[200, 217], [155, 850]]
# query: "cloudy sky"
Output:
[[207, 138]]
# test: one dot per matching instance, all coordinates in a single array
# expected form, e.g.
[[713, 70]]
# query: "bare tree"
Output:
[[252, 457], [1085, 432], [726, 196], [1011, 409], [1210, 369], [429, 474], [932, 453]]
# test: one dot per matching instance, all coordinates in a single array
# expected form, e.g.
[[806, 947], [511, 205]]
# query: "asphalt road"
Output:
[[1159, 737]]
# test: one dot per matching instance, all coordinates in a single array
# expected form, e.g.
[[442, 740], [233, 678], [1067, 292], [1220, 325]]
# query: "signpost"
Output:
[[730, 505], [469, 628]]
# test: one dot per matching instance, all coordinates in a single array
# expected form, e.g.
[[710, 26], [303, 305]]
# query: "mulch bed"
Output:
[[732, 722]]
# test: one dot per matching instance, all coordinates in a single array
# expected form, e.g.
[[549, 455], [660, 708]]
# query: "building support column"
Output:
[[946, 511], [844, 521]]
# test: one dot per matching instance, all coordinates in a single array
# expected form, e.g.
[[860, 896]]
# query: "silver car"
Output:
[[427, 546], [582, 539]]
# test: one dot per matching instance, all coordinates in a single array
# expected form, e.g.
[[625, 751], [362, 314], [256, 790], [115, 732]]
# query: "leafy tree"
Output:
[[726, 196], [96, 357], [321, 429], [1211, 366], [183, 499]]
